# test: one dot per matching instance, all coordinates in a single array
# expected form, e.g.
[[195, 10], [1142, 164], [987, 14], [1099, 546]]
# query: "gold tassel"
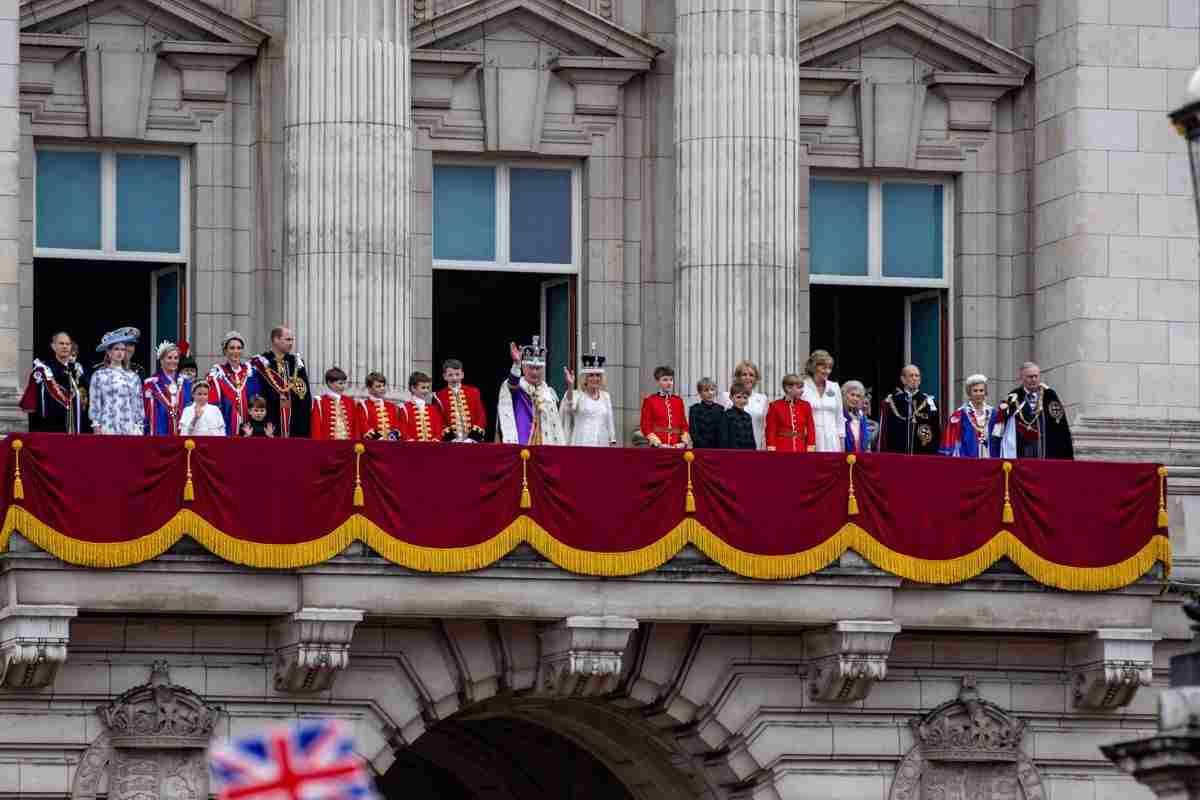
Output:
[[526, 498], [1007, 517], [689, 502], [18, 484], [852, 503], [189, 491], [359, 500], [1163, 519]]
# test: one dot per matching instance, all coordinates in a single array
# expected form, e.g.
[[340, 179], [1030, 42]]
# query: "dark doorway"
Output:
[[89, 298], [476, 315], [498, 757], [873, 331]]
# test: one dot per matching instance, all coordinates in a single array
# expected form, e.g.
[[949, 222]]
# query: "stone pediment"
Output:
[[185, 20], [944, 45], [565, 26]]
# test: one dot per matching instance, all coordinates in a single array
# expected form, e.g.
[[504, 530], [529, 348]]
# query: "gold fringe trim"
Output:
[[18, 484], [586, 562]]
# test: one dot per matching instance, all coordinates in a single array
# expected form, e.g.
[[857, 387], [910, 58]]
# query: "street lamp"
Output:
[[1186, 119], [1169, 763]]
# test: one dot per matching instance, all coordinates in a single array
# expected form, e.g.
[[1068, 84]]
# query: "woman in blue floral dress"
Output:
[[116, 407]]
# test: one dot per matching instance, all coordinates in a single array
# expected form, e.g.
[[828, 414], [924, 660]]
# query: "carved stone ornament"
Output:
[[1169, 762], [33, 644], [159, 715], [582, 656], [967, 749], [1110, 665], [848, 658], [312, 646]]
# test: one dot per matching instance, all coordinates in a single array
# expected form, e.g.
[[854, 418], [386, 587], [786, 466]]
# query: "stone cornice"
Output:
[[196, 13], [205, 66], [562, 14], [434, 73], [39, 53], [920, 22], [598, 80]]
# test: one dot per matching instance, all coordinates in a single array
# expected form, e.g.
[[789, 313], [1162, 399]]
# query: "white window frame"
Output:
[[108, 205], [502, 263], [875, 276]]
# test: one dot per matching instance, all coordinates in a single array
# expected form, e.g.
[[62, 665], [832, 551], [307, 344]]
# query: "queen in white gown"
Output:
[[587, 414], [746, 372], [825, 397]]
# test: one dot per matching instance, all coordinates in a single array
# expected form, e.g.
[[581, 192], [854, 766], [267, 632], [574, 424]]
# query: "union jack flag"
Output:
[[312, 760]]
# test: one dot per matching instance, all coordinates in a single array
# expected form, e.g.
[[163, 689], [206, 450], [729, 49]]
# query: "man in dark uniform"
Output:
[[1032, 422], [909, 421], [56, 397], [285, 386]]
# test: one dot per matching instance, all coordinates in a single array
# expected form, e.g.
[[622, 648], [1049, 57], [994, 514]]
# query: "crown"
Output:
[[969, 729], [593, 362], [534, 355], [159, 714]]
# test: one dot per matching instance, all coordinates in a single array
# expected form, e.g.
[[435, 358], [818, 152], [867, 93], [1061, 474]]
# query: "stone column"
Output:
[[348, 161], [742, 202], [10, 200]]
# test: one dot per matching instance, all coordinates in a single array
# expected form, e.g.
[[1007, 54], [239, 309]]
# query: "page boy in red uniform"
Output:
[[378, 417], [790, 427], [664, 419], [333, 414], [423, 421], [460, 405]]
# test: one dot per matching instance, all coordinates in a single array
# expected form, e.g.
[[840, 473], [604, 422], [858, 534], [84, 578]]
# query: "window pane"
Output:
[[558, 333], [166, 306], [68, 199], [837, 219], [148, 203], [541, 216], [925, 335], [912, 230], [464, 213]]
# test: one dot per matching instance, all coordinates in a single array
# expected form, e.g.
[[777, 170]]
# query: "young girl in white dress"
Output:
[[825, 397], [587, 414]]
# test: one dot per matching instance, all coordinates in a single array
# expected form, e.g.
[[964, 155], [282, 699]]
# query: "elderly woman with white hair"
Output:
[[860, 429], [968, 434]]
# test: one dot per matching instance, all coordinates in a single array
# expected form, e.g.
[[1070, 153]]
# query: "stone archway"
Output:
[[511, 748]]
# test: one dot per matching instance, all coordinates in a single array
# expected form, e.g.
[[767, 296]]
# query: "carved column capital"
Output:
[[311, 646], [847, 658], [582, 656], [1110, 665], [33, 644], [1169, 763]]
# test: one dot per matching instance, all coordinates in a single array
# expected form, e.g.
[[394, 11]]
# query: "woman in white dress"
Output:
[[825, 397], [116, 407], [587, 414], [201, 418], [746, 373]]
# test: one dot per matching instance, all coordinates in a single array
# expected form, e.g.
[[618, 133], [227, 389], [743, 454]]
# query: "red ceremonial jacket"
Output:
[[334, 417], [462, 411], [422, 423], [380, 419], [790, 426], [664, 420]]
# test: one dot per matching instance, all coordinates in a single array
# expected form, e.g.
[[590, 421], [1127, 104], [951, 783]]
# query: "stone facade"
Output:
[[696, 127]]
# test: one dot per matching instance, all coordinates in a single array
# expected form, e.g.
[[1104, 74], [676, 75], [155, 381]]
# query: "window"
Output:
[[113, 203], [513, 216], [880, 231]]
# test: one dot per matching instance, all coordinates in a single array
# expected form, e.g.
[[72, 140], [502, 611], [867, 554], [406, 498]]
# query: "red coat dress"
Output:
[[462, 412], [422, 423], [790, 427], [664, 420], [380, 419], [334, 418]]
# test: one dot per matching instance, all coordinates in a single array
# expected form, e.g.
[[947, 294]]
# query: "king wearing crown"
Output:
[[528, 408]]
